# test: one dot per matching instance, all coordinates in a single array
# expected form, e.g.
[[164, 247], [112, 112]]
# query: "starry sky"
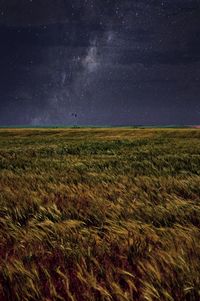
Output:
[[99, 62]]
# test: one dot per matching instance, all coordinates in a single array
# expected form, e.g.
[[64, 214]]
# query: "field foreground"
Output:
[[99, 214]]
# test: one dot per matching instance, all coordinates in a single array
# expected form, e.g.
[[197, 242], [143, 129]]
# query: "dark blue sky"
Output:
[[99, 62]]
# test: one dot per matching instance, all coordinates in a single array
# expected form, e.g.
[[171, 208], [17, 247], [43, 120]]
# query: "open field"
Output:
[[99, 214]]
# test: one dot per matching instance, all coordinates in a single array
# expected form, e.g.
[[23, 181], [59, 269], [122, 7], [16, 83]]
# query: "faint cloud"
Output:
[[90, 61]]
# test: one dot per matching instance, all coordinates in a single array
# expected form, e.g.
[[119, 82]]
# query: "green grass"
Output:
[[99, 214]]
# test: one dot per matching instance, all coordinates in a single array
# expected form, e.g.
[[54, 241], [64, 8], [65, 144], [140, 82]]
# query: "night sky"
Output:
[[99, 62]]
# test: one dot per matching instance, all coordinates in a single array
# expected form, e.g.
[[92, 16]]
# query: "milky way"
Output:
[[99, 62]]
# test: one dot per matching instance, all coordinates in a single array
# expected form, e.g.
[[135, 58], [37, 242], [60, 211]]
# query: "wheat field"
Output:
[[90, 214]]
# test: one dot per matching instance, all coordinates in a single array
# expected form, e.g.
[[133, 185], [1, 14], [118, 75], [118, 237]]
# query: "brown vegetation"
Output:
[[99, 214]]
